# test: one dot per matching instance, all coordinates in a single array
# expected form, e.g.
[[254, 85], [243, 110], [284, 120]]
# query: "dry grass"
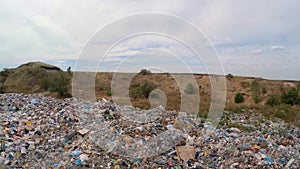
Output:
[[27, 78]]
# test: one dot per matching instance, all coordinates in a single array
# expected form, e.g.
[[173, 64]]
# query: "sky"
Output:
[[249, 38]]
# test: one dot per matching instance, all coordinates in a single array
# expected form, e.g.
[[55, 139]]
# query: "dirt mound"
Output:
[[27, 77]]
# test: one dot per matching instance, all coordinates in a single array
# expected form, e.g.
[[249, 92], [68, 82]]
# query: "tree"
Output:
[[69, 70], [61, 85], [190, 89], [145, 72], [238, 98]]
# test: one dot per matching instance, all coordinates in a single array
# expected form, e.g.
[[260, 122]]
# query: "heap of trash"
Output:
[[43, 132]]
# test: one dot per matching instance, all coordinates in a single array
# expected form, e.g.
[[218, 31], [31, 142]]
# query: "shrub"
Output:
[[245, 85], [69, 70], [238, 98], [291, 97], [109, 92], [3, 77], [145, 72], [45, 84], [190, 89], [147, 87], [264, 90], [61, 85], [273, 101], [281, 114], [229, 76], [255, 88], [135, 91], [2, 88], [138, 90], [256, 99]]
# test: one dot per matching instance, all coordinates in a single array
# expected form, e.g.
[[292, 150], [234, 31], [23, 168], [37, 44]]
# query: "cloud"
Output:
[[277, 48], [58, 30], [257, 52], [60, 61]]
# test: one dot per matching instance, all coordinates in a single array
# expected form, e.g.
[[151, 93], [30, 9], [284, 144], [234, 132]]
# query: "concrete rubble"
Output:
[[43, 132]]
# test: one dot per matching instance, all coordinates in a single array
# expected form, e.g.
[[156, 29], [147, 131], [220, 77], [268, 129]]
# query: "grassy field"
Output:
[[261, 95]]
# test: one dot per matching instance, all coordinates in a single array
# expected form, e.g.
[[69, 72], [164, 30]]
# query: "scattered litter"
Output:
[[43, 132], [185, 153]]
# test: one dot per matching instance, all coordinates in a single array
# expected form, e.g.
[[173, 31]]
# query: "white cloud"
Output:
[[57, 30], [277, 48], [257, 52], [60, 61]]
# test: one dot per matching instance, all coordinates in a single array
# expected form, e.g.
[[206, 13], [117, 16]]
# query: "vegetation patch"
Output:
[[238, 98], [190, 89]]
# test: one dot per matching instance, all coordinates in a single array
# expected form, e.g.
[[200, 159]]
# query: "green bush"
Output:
[[229, 76], [138, 90], [3, 77], [255, 89], [61, 85], [273, 101], [291, 97], [238, 98], [2, 88], [147, 87], [135, 91], [281, 114], [264, 90], [190, 89], [109, 92], [145, 72], [45, 84], [69, 70], [256, 99]]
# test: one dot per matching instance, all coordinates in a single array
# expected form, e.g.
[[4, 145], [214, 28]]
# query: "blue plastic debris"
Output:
[[55, 165], [78, 162], [213, 165], [262, 150], [11, 131], [282, 160], [66, 140], [34, 101], [75, 153], [260, 139], [268, 160], [218, 131], [60, 149], [11, 124], [88, 107], [9, 156], [136, 160]]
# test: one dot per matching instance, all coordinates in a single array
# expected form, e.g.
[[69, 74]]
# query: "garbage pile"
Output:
[[43, 132]]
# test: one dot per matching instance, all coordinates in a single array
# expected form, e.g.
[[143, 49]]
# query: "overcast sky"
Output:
[[252, 38]]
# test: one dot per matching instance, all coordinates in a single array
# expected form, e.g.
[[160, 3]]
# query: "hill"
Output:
[[28, 78], [35, 77]]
